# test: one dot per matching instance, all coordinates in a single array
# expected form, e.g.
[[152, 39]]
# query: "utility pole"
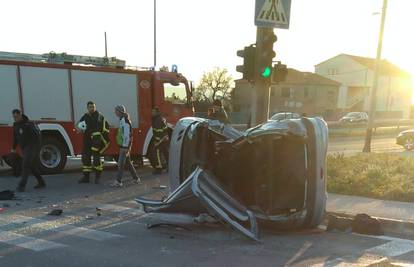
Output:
[[155, 33], [373, 95], [106, 47]]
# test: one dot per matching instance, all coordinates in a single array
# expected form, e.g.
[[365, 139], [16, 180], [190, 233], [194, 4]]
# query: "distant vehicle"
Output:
[[284, 116], [406, 139], [355, 117]]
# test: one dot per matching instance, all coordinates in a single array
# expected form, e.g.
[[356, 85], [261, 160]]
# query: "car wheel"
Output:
[[52, 156], [409, 143]]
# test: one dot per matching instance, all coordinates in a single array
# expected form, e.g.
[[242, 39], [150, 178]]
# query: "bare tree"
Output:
[[214, 84]]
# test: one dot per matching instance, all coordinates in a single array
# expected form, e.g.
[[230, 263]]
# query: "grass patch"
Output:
[[382, 176]]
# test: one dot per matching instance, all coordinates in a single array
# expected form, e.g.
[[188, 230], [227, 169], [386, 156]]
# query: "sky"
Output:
[[199, 35]]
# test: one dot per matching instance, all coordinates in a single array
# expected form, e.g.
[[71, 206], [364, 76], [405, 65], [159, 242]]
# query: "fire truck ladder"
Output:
[[63, 58]]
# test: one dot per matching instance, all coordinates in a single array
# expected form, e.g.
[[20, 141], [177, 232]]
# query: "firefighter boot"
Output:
[[85, 178], [97, 177]]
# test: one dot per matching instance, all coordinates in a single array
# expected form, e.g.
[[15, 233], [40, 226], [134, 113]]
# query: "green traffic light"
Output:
[[266, 72]]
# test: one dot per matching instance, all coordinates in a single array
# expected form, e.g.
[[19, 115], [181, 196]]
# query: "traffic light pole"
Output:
[[261, 92]]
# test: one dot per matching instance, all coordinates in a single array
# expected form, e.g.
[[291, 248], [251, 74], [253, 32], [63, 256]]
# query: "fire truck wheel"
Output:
[[52, 156]]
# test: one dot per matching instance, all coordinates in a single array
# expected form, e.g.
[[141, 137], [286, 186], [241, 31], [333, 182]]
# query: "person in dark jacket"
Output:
[[95, 142], [27, 136], [161, 139], [217, 112]]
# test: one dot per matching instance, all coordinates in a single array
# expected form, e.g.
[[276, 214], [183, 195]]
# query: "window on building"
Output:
[[331, 96], [306, 92], [332, 71], [286, 92]]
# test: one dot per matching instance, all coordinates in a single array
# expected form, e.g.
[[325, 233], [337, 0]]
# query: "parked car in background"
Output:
[[280, 116], [354, 117], [406, 139]]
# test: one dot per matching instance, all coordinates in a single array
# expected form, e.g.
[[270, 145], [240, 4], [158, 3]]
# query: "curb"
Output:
[[390, 227]]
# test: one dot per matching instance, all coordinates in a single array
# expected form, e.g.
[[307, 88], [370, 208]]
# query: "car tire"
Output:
[[408, 144], [52, 156]]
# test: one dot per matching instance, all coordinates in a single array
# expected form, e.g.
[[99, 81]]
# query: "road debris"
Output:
[[7, 195], [361, 224], [55, 212]]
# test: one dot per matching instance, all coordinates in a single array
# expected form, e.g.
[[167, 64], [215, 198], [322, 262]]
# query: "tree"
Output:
[[214, 84]]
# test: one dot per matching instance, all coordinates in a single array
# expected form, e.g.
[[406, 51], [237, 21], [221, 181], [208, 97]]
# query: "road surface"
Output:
[[353, 145], [120, 237]]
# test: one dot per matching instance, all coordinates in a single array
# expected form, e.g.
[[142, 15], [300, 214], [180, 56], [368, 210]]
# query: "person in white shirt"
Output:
[[124, 141]]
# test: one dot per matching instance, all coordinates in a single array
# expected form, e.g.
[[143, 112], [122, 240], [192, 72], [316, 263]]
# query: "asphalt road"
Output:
[[119, 237], [353, 145]]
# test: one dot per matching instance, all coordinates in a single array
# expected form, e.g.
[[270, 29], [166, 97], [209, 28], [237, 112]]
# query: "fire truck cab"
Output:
[[53, 89]]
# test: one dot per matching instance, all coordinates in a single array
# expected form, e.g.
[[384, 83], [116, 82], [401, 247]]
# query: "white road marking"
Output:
[[393, 247], [59, 227], [27, 242]]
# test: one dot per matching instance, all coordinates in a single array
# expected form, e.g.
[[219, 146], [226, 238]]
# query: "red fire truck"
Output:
[[53, 89]]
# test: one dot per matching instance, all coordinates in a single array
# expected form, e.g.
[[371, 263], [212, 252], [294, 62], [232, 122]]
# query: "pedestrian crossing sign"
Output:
[[272, 13]]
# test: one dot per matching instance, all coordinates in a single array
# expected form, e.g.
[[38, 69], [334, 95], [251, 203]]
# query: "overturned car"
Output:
[[271, 175]]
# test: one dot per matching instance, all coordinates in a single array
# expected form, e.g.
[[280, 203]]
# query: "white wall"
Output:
[[45, 93], [393, 94], [107, 90], [9, 93]]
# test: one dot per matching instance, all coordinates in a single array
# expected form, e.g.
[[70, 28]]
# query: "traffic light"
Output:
[[249, 60], [279, 73], [266, 55]]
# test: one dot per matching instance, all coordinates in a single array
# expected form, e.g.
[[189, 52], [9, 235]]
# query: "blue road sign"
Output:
[[272, 13]]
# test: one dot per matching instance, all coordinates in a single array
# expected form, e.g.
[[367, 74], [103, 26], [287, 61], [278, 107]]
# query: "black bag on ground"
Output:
[[365, 224], [15, 162], [337, 223], [6, 195]]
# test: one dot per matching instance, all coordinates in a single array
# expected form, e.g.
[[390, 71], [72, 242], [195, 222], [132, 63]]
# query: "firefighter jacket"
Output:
[[159, 127], [97, 129]]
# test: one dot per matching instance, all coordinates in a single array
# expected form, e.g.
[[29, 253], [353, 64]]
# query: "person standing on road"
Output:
[[124, 141], [27, 136], [95, 141], [161, 139], [217, 112]]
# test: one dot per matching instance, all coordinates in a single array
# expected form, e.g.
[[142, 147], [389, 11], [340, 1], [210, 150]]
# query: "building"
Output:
[[394, 95], [302, 92]]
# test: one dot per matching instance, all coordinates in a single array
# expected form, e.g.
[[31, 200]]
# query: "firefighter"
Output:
[[217, 112], [95, 141], [161, 139], [27, 136]]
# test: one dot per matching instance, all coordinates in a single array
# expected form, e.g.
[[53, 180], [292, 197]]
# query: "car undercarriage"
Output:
[[271, 175]]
